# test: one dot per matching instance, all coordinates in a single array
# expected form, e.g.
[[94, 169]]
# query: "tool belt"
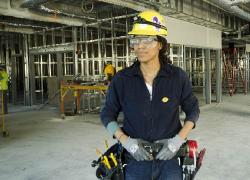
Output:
[[189, 160]]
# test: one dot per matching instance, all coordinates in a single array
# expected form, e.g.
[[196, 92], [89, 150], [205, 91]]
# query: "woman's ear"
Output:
[[160, 45]]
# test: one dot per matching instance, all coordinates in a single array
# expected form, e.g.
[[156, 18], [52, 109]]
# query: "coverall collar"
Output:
[[134, 70]]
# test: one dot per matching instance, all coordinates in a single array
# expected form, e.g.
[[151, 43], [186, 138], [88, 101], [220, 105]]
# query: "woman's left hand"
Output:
[[170, 147]]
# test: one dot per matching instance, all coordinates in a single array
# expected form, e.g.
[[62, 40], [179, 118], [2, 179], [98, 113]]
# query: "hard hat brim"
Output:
[[148, 33]]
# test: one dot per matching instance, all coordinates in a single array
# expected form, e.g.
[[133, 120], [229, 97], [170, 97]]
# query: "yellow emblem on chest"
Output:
[[164, 99]]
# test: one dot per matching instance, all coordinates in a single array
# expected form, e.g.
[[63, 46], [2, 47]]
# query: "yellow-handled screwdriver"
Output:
[[113, 159], [104, 159], [106, 162]]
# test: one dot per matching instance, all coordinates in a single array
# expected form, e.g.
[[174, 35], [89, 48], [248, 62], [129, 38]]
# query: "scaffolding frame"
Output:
[[79, 50]]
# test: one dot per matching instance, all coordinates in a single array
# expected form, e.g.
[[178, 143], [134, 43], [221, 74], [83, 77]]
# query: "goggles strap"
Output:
[[141, 20]]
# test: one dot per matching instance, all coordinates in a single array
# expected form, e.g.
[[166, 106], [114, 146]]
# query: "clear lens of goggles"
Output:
[[145, 41]]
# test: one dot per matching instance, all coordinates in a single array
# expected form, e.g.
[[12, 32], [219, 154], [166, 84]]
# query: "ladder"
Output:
[[240, 83], [228, 76], [233, 74]]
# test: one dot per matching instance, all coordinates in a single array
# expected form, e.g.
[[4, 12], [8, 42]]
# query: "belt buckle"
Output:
[[153, 148]]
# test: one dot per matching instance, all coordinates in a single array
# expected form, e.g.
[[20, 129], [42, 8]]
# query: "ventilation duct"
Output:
[[227, 5]]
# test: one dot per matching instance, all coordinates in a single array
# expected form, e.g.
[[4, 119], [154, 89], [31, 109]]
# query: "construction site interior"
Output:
[[55, 52]]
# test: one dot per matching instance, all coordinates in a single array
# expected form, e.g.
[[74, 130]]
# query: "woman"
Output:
[[149, 93]]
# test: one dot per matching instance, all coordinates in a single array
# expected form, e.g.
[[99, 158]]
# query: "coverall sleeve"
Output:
[[189, 103], [112, 105]]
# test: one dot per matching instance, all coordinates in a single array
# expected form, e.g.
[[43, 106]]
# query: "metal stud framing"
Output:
[[207, 77], [84, 50]]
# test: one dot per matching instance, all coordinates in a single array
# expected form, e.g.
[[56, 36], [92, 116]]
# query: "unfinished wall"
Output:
[[182, 32]]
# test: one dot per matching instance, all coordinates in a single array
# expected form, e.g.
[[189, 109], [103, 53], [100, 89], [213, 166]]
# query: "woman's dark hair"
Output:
[[162, 54]]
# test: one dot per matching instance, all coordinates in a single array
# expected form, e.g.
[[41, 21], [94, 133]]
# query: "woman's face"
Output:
[[146, 48]]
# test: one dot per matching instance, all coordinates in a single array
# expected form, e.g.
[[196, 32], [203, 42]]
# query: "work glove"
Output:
[[136, 149], [170, 147]]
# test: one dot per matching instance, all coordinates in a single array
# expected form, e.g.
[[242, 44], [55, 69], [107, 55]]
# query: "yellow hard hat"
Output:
[[150, 23]]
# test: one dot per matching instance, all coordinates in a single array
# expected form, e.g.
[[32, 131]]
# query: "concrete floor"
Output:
[[41, 146]]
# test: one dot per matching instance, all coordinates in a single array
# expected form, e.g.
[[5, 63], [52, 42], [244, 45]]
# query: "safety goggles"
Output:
[[147, 41]]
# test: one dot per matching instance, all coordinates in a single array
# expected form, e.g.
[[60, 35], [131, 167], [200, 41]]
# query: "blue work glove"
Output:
[[136, 149], [170, 147]]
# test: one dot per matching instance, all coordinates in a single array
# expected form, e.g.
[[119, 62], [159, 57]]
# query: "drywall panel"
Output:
[[247, 47], [182, 32]]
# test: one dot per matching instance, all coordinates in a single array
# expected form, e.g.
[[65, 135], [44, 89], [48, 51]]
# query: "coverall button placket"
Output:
[[152, 109]]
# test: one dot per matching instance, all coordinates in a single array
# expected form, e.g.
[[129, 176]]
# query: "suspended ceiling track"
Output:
[[198, 12]]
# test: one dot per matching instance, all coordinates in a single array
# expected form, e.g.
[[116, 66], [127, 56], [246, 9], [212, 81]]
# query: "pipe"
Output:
[[226, 5], [22, 25], [55, 28], [53, 11], [33, 3], [237, 2]]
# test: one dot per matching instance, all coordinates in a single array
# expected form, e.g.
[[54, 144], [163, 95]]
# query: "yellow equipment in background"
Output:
[[109, 71], [3, 94]]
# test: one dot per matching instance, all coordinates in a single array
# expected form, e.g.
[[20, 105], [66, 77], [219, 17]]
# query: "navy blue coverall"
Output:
[[147, 119]]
